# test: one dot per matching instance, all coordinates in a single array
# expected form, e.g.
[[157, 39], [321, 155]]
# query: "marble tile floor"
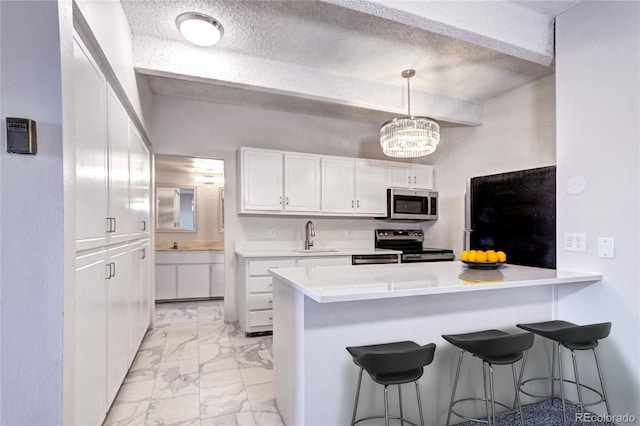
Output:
[[194, 370]]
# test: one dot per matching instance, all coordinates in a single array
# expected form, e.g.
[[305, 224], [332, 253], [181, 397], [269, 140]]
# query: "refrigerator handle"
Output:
[[466, 233]]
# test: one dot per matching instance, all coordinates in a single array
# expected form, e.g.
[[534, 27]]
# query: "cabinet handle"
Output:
[[114, 224], [409, 179], [287, 201], [351, 203], [280, 201], [271, 302], [144, 253], [108, 225], [414, 179], [144, 225], [358, 204], [110, 270]]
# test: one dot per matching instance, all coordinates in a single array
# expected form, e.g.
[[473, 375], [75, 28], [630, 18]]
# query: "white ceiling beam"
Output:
[[165, 58], [503, 26]]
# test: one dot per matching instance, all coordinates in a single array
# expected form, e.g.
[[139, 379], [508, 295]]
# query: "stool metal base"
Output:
[[602, 396], [489, 399], [386, 415]]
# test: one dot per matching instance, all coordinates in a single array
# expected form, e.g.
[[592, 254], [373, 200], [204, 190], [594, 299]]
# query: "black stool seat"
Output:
[[575, 338], [392, 364], [493, 347]]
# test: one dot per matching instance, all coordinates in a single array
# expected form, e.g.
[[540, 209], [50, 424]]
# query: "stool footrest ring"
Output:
[[509, 409], [382, 417], [557, 379]]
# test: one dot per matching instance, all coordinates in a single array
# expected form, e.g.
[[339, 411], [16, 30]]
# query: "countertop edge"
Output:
[[565, 277]]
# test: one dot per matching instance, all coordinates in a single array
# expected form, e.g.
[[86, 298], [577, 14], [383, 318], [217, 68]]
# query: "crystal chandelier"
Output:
[[409, 136]]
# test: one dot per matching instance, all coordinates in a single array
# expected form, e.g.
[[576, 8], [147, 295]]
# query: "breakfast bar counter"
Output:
[[318, 311]]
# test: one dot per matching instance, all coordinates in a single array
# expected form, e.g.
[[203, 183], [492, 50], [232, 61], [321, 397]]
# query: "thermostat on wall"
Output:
[[21, 136]]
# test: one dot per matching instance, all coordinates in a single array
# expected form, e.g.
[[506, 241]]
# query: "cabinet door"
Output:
[[262, 180], [422, 176], [166, 282], [118, 319], [139, 294], [217, 280], [194, 281], [118, 142], [90, 335], [400, 175], [91, 151], [338, 185], [302, 183], [371, 187], [140, 183]]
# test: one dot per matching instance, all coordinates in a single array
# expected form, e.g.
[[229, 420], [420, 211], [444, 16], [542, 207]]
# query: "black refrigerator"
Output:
[[514, 212]]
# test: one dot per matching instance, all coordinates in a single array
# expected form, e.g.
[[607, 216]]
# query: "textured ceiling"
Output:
[[344, 58]]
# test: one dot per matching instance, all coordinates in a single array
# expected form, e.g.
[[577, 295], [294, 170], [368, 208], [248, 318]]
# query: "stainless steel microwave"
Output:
[[411, 204]]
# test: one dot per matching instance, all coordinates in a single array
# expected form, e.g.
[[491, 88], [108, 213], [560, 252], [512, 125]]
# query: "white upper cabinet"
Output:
[[275, 181], [371, 187], [118, 172], [301, 183], [91, 151], [417, 176], [140, 183], [261, 180], [290, 183], [338, 185]]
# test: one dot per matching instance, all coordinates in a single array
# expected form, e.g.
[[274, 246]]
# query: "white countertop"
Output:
[[349, 283], [290, 252]]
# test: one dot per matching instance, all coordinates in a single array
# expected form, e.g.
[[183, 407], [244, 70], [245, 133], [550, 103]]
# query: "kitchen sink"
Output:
[[314, 250]]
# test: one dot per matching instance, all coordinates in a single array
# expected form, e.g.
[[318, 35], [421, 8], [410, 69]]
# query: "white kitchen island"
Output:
[[318, 311]]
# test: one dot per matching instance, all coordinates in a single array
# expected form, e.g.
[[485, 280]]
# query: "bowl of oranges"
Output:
[[483, 259]]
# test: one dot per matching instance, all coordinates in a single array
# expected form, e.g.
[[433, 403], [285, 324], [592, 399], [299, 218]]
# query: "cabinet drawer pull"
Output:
[[144, 225], [270, 302]]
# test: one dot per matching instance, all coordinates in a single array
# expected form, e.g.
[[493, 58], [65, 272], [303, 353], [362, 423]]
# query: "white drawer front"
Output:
[[258, 318], [260, 284], [261, 267], [325, 261], [260, 301]]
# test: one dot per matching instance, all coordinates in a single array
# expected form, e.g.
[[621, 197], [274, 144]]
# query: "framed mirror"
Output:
[[175, 208]]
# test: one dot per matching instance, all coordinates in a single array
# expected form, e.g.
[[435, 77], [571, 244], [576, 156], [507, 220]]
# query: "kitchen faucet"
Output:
[[309, 232]]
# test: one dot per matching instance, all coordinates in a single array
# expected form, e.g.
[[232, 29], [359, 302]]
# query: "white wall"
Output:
[[31, 218], [598, 115], [518, 133]]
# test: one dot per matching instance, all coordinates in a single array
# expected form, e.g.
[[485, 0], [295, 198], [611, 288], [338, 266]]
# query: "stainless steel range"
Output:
[[410, 242]]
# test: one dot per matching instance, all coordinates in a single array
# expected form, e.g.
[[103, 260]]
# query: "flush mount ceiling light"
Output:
[[409, 136], [199, 29]]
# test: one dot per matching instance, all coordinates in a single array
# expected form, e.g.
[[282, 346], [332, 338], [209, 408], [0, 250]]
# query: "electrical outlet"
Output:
[[575, 241], [270, 233], [344, 233], [605, 247]]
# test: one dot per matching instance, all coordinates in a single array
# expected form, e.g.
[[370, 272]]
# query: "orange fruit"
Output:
[[492, 256], [502, 257], [472, 255], [464, 256], [481, 256]]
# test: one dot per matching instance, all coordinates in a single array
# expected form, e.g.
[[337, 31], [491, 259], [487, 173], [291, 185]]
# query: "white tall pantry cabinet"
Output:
[[112, 280]]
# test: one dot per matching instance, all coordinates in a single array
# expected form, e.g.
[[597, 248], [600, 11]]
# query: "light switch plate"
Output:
[[606, 247]]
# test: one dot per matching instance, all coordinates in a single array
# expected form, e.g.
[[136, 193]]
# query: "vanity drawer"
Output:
[[261, 267], [260, 284], [260, 301], [259, 318]]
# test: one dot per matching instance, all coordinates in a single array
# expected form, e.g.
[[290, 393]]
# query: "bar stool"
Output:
[[575, 338], [392, 364], [493, 347]]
